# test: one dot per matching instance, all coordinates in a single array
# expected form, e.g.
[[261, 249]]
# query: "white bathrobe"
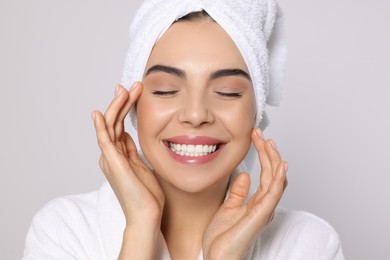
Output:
[[91, 225]]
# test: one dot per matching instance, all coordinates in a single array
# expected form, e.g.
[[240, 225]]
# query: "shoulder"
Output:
[[302, 221], [72, 208], [64, 228], [300, 235]]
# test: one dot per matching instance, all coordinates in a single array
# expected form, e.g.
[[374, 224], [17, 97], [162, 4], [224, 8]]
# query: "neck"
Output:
[[187, 215]]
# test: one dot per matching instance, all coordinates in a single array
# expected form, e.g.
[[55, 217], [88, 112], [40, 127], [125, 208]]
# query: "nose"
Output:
[[196, 112]]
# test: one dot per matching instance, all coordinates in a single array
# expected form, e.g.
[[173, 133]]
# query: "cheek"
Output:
[[238, 117], [150, 106], [152, 116]]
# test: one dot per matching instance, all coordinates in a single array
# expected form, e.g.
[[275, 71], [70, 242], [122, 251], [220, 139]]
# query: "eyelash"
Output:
[[230, 94], [164, 93], [173, 92]]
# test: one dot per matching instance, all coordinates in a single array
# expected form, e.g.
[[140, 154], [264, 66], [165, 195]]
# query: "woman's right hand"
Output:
[[134, 184]]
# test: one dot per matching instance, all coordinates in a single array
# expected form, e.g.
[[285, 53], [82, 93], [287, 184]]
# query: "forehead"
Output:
[[197, 42]]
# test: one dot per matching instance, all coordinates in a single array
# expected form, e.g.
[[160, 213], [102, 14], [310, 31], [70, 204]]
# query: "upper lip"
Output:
[[192, 139]]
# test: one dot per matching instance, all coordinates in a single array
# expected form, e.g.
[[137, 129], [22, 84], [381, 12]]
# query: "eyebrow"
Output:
[[181, 73], [167, 69], [229, 72]]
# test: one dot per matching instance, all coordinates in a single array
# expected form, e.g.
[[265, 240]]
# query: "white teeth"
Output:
[[192, 150]]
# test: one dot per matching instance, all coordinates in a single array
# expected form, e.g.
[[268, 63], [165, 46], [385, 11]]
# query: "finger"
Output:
[[134, 94], [131, 148], [116, 164], [238, 191], [285, 183], [271, 217], [103, 137], [277, 186], [111, 114], [140, 169], [266, 167], [136, 163], [275, 193], [116, 168], [263, 210], [273, 155], [266, 205]]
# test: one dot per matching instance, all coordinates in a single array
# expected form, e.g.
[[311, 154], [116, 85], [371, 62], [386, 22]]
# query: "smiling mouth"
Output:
[[192, 150]]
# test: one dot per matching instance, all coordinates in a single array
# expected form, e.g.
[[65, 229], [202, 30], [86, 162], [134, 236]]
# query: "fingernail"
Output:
[[93, 115], [285, 166], [118, 90], [259, 133], [273, 144]]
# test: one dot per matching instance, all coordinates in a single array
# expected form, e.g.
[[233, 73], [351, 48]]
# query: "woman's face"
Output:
[[196, 111]]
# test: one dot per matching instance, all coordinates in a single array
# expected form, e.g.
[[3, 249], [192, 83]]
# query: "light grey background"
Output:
[[59, 60]]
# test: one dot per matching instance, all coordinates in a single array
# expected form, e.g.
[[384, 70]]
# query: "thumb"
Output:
[[239, 191]]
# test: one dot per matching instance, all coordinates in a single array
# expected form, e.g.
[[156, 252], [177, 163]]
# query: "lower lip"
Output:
[[194, 160]]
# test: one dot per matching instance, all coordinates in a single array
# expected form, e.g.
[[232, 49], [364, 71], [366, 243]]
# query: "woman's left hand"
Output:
[[236, 225]]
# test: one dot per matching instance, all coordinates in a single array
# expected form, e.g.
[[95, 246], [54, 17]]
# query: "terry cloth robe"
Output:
[[91, 225]]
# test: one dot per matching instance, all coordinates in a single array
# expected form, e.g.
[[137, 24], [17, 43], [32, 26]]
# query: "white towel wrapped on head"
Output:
[[256, 27]]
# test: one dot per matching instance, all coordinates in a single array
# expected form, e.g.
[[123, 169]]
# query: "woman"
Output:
[[196, 103]]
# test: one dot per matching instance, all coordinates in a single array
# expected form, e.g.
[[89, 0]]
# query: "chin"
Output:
[[195, 178]]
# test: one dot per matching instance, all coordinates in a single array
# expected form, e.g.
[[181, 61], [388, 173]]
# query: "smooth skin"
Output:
[[149, 199], [234, 226]]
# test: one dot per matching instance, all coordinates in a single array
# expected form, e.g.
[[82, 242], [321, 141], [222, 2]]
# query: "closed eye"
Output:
[[164, 93], [229, 94]]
